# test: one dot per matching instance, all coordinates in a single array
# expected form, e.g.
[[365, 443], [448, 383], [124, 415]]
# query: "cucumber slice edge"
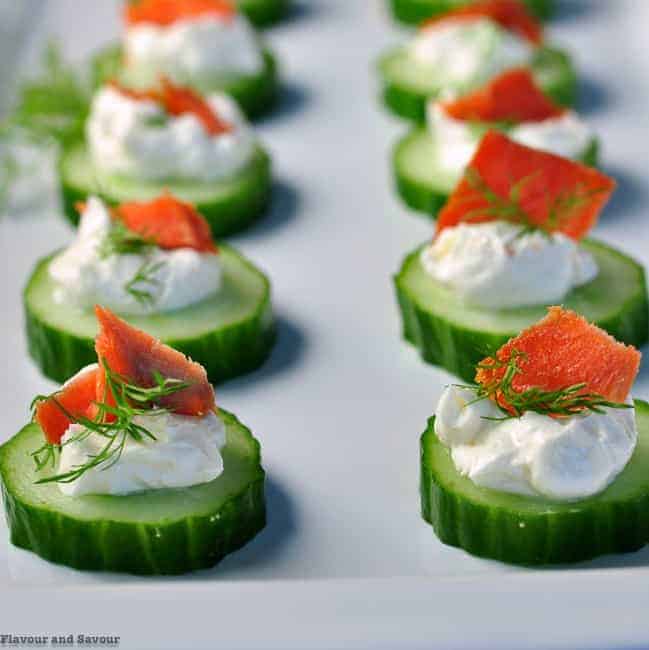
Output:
[[427, 192], [239, 345], [264, 13], [413, 12], [142, 546], [531, 531], [256, 94], [229, 205], [458, 346], [407, 98]]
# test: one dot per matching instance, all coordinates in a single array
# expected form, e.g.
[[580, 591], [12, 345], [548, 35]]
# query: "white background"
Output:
[[345, 560]]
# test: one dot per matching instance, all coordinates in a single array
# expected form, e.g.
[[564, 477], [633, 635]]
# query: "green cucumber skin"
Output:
[[256, 94], [169, 549], [225, 353], [226, 216], [413, 12], [429, 200], [418, 196], [264, 13], [559, 534], [459, 349], [410, 103], [163, 548]]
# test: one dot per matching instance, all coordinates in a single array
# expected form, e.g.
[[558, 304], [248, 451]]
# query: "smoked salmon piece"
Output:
[[167, 12], [136, 356], [76, 398], [178, 100], [168, 222], [513, 96], [564, 350], [511, 182], [509, 14]]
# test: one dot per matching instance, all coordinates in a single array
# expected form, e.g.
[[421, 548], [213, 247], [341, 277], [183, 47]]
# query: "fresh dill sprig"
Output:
[[121, 241], [55, 104], [564, 402], [563, 206], [9, 172], [46, 455], [141, 284], [560, 209], [113, 422], [156, 121]]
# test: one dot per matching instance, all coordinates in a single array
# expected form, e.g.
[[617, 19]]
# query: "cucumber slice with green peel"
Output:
[[263, 13], [532, 531], [167, 531], [449, 333], [229, 205], [230, 333], [256, 94], [408, 85], [413, 12], [423, 184]]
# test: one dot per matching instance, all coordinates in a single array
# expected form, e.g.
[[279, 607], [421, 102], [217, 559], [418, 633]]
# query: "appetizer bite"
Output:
[[429, 162], [140, 143], [413, 12], [463, 49], [544, 459], [510, 241], [205, 44], [156, 264], [264, 12], [131, 467]]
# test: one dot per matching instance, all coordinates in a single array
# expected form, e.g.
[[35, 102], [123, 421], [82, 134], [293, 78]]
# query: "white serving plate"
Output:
[[346, 560]]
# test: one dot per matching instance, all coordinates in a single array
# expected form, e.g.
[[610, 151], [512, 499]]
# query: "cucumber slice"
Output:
[[525, 530], [263, 13], [408, 85], [256, 94], [166, 531], [449, 333], [229, 205], [423, 184], [230, 334], [413, 12]]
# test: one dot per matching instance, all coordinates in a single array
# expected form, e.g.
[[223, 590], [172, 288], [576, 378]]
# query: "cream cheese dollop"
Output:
[[195, 50], [186, 452], [464, 53], [137, 138], [536, 455], [499, 265], [456, 142], [84, 278], [567, 135]]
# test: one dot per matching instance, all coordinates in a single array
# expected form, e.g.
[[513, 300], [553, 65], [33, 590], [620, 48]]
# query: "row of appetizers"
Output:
[[538, 456], [165, 162], [130, 465]]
